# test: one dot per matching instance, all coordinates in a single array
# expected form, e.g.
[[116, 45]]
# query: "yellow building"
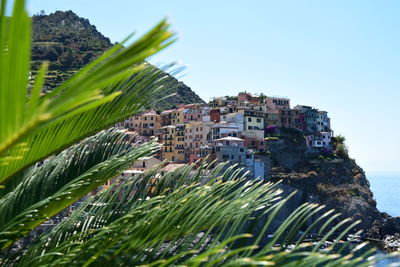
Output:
[[167, 135], [173, 143], [177, 116], [148, 123], [254, 123], [179, 140]]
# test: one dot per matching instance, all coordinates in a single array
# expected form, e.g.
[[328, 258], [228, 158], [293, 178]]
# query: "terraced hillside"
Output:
[[69, 42]]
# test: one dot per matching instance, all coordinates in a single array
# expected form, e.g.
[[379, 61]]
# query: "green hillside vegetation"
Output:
[[69, 42]]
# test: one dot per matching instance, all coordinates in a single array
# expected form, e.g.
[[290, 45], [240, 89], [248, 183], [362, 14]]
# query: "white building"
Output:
[[319, 141]]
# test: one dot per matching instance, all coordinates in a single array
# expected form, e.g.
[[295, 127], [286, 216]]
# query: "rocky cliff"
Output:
[[338, 183]]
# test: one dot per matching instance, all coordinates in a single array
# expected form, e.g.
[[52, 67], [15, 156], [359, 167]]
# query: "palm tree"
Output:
[[50, 157]]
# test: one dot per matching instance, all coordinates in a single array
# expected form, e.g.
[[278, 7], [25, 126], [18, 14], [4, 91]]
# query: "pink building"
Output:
[[197, 134], [193, 112], [275, 104]]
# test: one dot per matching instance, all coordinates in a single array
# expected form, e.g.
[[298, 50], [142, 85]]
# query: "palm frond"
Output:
[[64, 179], [116, 85], [189, 217], [40, 182]]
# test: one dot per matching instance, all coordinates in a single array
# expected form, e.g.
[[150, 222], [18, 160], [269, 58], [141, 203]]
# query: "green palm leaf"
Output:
[[116, 85], [184, 220], [39, 183], [29, 212]]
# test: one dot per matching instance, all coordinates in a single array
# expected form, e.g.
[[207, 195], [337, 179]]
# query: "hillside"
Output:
[[69, 42]]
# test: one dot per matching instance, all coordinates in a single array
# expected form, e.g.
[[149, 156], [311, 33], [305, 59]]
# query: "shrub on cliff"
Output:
[[342, 151]]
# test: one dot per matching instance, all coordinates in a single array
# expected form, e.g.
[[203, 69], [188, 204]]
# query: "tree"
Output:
[[339, 146], [188, 217]]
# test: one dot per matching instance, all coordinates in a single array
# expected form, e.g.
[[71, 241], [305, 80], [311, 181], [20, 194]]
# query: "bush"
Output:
[[342, 151]]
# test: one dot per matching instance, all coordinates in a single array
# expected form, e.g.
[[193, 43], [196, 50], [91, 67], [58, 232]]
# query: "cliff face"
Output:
[[337, 183]]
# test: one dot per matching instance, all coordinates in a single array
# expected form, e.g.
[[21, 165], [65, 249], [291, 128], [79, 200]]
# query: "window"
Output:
[[249, 119], [241, 150], [259, 120], [250, 127], [232, 157]]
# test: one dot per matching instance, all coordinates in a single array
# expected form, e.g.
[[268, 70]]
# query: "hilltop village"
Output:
[[241, 129]]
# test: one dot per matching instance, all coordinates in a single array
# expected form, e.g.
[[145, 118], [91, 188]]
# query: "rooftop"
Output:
[[230, 138], [173, 166]]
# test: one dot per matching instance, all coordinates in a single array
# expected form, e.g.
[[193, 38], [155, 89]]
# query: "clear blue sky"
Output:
[[339, 56]]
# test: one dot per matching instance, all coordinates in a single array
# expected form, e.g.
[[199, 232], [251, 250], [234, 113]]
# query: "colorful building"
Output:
[[192, 112], [224, 129], [202, 153], [179, 155], [274, 104], [215, 115], [247, 97], [323, 122], [148, 123], [167, 136], [319, 141], [310, 118], [253, 123], [166, 117], [197, 134], [292, 118], [178, 116], [230, 149]]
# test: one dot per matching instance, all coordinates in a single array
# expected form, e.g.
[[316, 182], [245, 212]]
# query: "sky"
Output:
[[340, 56]]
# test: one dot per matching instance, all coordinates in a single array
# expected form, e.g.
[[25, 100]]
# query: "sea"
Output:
[[386, 189]]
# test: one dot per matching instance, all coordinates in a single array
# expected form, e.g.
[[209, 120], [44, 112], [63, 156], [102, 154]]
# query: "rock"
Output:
[[386, 226], [391, 242]]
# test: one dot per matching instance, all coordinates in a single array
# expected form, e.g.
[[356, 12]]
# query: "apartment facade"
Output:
[[148, 123], [253, 123]]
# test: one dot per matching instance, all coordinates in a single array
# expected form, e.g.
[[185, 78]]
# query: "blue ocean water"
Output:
[[386, 189]]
